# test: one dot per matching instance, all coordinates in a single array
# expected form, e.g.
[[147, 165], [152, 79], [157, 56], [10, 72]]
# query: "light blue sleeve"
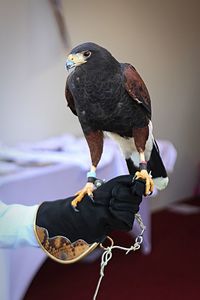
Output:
[[16, 225]]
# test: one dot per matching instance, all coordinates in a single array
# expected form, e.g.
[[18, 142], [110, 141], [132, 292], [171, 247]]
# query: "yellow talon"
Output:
[[87, 190], [143, 174]]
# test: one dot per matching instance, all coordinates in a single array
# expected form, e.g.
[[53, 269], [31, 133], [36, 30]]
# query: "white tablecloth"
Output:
[[67, 160]]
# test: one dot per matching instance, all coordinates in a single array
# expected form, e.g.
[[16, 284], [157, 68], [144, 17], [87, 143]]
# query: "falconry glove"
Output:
[[67, 234]]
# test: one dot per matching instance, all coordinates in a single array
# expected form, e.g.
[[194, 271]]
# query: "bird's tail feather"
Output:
[[156, 166]]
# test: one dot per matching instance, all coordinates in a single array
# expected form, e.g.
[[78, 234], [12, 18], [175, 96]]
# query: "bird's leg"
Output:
[[87, 189], [131, 167], [95, 143], [140, 137], [143, 174]]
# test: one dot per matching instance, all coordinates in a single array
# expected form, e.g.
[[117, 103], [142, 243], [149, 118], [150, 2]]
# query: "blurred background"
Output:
[[160, 38]]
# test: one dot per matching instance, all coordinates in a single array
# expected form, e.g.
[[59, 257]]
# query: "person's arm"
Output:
[[66, 234], [16, 225]]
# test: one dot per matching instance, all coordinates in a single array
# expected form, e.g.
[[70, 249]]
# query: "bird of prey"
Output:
[[109, 96]]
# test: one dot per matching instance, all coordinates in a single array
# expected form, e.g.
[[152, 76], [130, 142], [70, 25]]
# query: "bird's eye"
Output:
[[87, 53]]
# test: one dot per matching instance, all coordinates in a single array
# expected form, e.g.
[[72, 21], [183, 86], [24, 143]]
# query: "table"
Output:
[[63, 175]]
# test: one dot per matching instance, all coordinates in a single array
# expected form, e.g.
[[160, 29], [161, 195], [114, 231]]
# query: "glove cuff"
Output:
[[60, 248]]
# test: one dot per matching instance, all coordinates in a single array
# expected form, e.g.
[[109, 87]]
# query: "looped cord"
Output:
[[107, 254]]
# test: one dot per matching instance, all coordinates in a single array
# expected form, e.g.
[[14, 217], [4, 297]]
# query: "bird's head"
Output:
[[87, 52]]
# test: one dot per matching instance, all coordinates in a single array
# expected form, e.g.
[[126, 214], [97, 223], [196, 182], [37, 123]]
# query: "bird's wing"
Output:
[[136, 87], [70, 99]]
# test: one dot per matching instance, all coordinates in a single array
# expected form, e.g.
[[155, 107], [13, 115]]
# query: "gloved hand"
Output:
[[67, 235]]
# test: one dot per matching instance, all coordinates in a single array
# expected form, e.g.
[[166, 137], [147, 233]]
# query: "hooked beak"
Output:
[[74, 60]]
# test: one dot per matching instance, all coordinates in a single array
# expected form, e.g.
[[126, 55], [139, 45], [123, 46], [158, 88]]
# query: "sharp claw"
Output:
[[91, 197], [74, 202], [87, 190], [75, 208], [149, 182]]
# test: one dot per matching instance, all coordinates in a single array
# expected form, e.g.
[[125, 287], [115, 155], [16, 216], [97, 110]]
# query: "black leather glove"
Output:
[[67, 235]]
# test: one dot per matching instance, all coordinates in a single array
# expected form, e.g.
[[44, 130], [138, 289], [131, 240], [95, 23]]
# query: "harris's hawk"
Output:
[[109, 96]]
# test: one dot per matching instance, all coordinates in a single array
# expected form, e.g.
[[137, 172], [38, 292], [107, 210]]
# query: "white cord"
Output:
[[107, 254]]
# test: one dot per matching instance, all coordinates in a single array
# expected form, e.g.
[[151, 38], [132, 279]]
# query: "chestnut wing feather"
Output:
[[136, 87]]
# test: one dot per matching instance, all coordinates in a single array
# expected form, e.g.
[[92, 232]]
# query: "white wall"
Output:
[[32, 73], [161, 38]]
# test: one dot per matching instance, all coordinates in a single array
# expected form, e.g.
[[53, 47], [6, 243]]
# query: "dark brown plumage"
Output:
[[110, 96]]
